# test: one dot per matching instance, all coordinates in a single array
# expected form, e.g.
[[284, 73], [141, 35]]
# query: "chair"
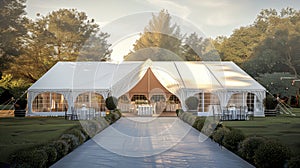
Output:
[[132, 108], [67, 115], [250, 115], [73, 115], [243, 112], [227, 114]]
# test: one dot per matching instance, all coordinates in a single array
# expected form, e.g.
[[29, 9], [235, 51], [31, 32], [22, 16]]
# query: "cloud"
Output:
[[219, 19], [216, 12], [214, 3], [172, 7]]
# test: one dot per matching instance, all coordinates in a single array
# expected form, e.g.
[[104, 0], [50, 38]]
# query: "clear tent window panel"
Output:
[[90, 100], [49, 102]]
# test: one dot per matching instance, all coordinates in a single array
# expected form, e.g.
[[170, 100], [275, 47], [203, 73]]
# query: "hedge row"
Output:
[[204, 124], [44, 155], [259, 151]]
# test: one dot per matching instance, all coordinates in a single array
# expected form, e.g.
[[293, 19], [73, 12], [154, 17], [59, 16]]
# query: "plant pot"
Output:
[[20, 113]]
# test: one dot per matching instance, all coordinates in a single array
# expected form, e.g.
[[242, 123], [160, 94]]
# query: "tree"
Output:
[[279, 50], [15, 88], [59, 36], [193, 47], [197, 48], [70, 29], [273, 84], [161, 40], [95, 48], [11, 30], [239, 46]]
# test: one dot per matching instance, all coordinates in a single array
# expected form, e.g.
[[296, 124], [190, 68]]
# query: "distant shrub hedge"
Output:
[[271, 154], [249, 146], [44, 155], [233, 138]]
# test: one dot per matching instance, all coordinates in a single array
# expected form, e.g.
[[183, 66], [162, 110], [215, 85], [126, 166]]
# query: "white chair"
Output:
[[250, 115], [228, 114]]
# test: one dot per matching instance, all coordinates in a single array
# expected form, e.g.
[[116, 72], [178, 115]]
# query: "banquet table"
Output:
[[145, 110]]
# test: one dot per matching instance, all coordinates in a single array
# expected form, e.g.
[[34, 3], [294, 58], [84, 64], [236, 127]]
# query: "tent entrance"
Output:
[[150, 94]]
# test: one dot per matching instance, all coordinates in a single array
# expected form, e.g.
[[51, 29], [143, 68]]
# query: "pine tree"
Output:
[[161, 40]]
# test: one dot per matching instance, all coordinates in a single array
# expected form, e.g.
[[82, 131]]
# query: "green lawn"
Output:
[[18, 133], [284, 128]]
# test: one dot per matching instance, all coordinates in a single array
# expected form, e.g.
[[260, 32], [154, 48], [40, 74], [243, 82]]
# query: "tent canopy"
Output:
[[180, 78], [105, 75]]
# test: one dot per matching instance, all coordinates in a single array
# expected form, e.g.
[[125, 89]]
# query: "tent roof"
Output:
[[106, 75]]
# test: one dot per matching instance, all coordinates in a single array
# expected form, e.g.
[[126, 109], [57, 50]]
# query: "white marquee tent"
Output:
[[183, 79]]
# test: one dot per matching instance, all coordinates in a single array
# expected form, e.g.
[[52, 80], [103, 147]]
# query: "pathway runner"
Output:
[[150, 142]]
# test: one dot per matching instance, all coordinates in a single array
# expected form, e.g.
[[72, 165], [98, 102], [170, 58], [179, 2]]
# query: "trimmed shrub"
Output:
[[51, 153], [118, 113], [249, 146], [71, 140], [111, 103], [185, 116], [219, 134], [192, 103], [29, 158], [114, 116], [208, 127], [200, 123], [79, 134], [61, 147], [110, 118], [103, 123], [178, 111], [181, 115], [90, 127], [271, 154], [197, 120], [191, 119], [233, 138]]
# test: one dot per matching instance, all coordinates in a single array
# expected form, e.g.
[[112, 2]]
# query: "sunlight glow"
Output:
[[123, 47]]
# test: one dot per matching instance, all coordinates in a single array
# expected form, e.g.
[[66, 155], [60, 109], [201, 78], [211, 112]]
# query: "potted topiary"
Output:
[[270, 104], [20, 108], [192, 103], [111, 103]]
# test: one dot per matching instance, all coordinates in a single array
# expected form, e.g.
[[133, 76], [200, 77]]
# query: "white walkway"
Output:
[[150, 142]]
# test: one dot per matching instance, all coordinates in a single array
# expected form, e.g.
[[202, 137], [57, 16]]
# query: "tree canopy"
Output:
[[161, 40], [270, 45], [279, 50], [12, 28], [59, 36]]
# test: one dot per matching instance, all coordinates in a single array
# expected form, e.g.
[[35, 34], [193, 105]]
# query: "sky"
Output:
[[125, 19]]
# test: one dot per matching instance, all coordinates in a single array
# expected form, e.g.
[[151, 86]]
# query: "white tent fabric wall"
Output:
[[122, 83], [183, 79]]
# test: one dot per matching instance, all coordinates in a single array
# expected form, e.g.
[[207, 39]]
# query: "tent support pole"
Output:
[[202, 101]]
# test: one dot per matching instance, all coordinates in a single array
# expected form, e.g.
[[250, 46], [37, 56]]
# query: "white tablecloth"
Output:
[[145, 110], [232, 112]]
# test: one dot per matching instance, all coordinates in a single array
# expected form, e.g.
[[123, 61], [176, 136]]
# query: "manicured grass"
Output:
[[284, 128], [18, 133]]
